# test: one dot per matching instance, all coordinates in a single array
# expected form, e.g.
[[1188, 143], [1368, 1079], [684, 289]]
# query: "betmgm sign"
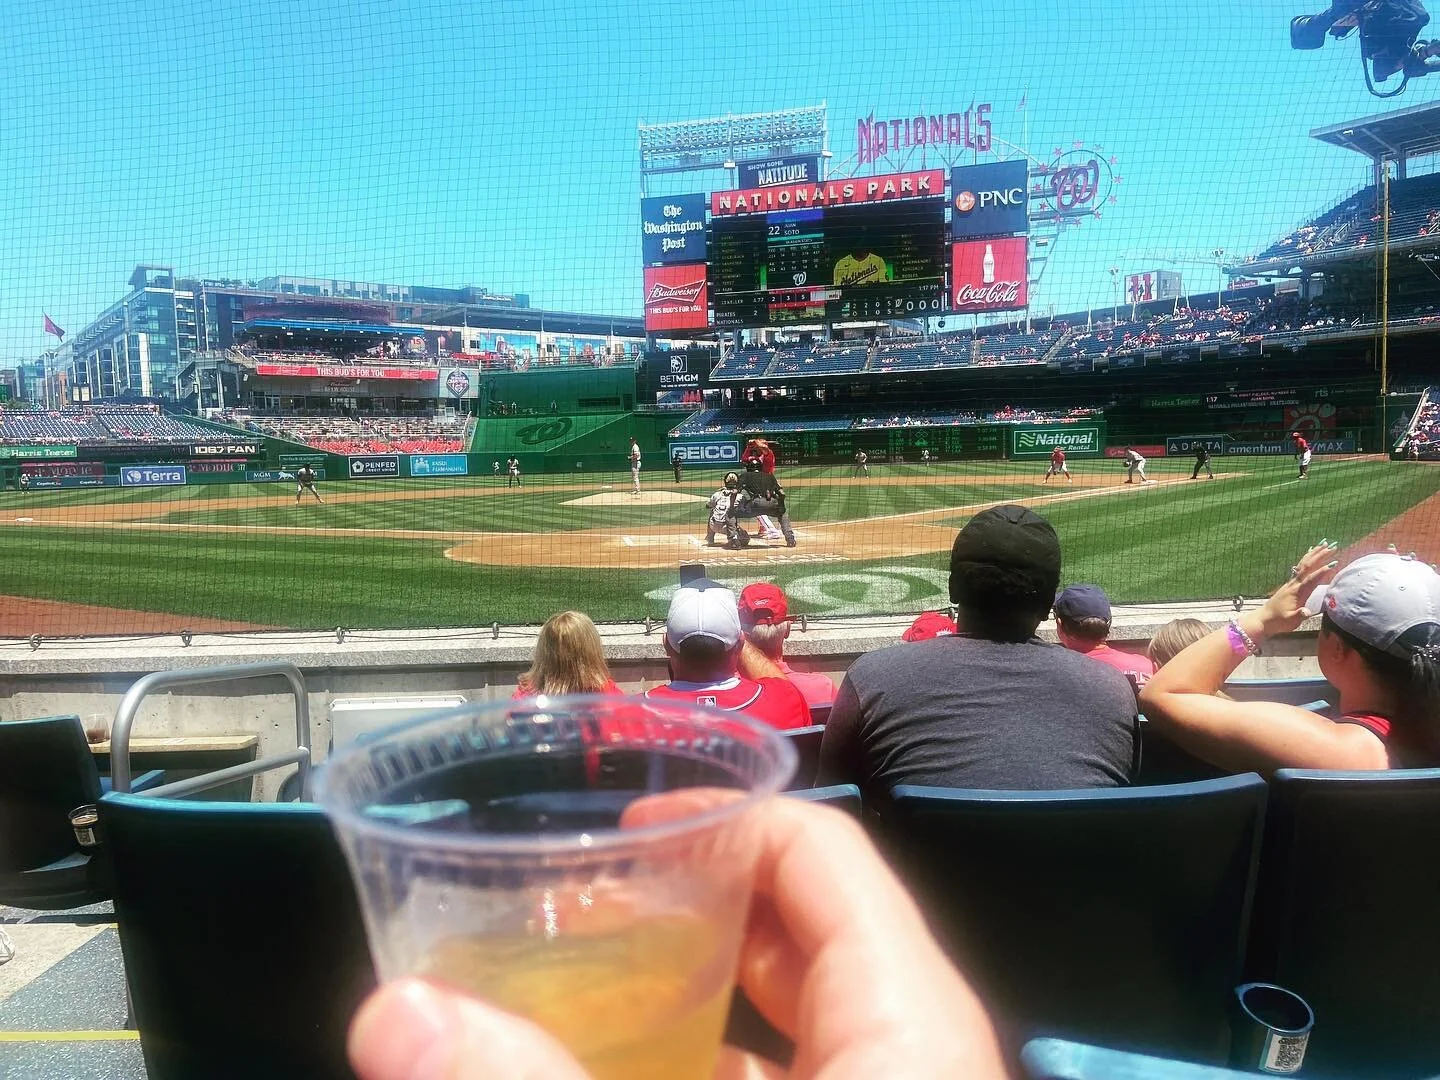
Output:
[[707, 453]]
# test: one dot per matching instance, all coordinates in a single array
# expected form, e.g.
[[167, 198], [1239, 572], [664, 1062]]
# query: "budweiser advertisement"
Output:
[[675, 297], [346, 371], [989, 275]]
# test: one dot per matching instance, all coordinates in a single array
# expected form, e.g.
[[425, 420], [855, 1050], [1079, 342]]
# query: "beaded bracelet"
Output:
[[1241, 643]]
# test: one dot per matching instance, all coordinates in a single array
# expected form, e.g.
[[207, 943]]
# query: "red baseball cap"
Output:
[[931, 624], [763, 604]]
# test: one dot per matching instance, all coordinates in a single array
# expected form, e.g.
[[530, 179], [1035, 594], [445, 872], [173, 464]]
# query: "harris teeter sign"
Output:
[[1078, 439]]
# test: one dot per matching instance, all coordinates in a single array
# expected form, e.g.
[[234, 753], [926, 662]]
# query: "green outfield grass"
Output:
[[1169, 542]]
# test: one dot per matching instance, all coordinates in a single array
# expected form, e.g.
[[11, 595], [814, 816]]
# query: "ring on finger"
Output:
[[1294, 573]]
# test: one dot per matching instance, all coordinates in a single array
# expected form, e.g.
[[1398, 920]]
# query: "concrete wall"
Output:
[[90, 675]]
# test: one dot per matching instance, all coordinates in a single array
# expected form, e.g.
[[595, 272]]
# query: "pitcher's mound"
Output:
[[645, 498]]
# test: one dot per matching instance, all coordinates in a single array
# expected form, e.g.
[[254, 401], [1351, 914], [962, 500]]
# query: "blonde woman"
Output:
[[1172, 638], [569, 659]]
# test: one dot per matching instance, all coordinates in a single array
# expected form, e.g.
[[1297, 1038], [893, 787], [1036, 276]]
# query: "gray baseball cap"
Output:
[[1380, 599]]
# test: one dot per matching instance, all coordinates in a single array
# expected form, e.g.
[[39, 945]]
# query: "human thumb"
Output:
[[414, 1030]]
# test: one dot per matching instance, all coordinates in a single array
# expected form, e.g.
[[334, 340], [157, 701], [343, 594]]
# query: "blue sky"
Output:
[[494, 144]]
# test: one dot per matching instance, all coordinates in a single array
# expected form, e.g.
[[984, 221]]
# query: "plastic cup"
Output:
[[505, 850]]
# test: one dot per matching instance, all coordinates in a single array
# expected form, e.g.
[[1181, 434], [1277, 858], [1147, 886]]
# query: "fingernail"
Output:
[[1331, 565], [405, 1031]]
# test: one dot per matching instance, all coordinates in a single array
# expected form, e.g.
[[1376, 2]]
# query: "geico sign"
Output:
[[716, 453], [966, 201]]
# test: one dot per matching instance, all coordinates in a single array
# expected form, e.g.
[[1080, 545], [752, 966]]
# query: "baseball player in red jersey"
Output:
[[1058, 466], [758, 450], [1302, 454]]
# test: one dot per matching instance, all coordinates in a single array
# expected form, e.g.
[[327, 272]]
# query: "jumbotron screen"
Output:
[[829, 265]]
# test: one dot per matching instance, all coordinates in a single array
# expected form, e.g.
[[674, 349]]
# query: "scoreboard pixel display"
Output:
[[829, 264]]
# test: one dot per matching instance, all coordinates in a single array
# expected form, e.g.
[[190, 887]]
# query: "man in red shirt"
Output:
[[703, 641], [1058, 466], [1302, 454], [765, 619], [1082, 623]]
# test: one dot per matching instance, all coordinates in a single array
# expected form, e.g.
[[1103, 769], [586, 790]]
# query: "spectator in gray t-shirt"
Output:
[[994, 707]]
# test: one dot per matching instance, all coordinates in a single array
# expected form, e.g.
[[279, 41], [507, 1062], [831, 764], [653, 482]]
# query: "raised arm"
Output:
[[1179, 700]]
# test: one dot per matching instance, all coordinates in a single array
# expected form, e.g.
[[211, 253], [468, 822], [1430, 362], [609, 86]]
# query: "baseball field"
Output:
[[465, 552]]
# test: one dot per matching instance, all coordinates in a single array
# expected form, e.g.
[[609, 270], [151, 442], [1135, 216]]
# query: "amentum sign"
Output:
[[362, 468], [710, 452], [1073, 439]]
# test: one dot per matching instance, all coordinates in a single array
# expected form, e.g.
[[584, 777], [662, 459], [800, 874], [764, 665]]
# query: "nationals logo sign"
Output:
[[675, 297], [989, 275]]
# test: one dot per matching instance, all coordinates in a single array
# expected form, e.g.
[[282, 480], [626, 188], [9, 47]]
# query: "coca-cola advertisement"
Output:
[[675, 297], [989, 275]]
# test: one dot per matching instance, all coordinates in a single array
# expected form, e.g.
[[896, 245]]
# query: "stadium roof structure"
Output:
[[1392, 136], [721, 141]]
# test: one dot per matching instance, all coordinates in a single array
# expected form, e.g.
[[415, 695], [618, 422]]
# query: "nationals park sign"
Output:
[[1080, 439]]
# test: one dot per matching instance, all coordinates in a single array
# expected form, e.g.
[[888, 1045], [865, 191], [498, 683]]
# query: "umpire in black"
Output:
[[760, 493], [1202, 461], [678, 464]]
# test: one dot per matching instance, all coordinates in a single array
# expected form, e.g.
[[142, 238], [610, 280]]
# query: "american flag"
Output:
[[51, 328], [1023, 98]]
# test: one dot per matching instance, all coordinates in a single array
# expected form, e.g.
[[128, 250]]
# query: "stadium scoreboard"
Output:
[[829, 264]]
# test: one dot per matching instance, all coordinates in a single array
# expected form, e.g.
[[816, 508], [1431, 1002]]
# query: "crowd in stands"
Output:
[[1244, 319], [1355, 222], [368, 435], [92, 425], [981, 702], [1423, 439]]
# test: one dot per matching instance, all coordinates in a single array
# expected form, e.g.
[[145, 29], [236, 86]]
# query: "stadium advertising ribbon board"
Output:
[[37, 453], [346, 371]]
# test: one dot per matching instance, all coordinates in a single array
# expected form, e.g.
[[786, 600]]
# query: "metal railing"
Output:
[[174, 680]]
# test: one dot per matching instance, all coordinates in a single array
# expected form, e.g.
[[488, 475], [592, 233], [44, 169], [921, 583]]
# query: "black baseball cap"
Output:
[[1006, 555]]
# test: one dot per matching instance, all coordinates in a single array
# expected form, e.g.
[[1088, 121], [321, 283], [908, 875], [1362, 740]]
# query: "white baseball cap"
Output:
[[1380, 599], [703, 608]]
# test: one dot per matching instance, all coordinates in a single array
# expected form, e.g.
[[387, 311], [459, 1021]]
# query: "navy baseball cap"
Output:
[[1083, 602]]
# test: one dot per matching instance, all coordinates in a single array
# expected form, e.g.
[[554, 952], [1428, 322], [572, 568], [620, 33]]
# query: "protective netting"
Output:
[[914, 252]]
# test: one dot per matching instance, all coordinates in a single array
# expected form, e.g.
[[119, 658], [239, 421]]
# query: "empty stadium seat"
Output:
[[1114, 916], [46, 770], [1345, 916], [243, 943], [1056, 1059], [806, 741]]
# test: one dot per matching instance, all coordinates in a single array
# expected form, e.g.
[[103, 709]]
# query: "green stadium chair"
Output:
[[1115, 916], [47, 770], [806, 741], [1056, 1059], [242, 938], [1345, 916]]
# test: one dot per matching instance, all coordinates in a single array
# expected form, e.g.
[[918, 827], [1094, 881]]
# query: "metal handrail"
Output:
[[171, 680]]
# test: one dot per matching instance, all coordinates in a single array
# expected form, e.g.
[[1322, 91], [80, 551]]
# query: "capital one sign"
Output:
[[989, 275]]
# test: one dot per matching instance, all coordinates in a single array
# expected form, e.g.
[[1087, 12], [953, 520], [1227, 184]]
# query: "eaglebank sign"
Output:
[[1073, 439], [715, 452]]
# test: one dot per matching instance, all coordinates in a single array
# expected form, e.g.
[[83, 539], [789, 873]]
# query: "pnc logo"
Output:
[[664, 294], [965, 201]]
